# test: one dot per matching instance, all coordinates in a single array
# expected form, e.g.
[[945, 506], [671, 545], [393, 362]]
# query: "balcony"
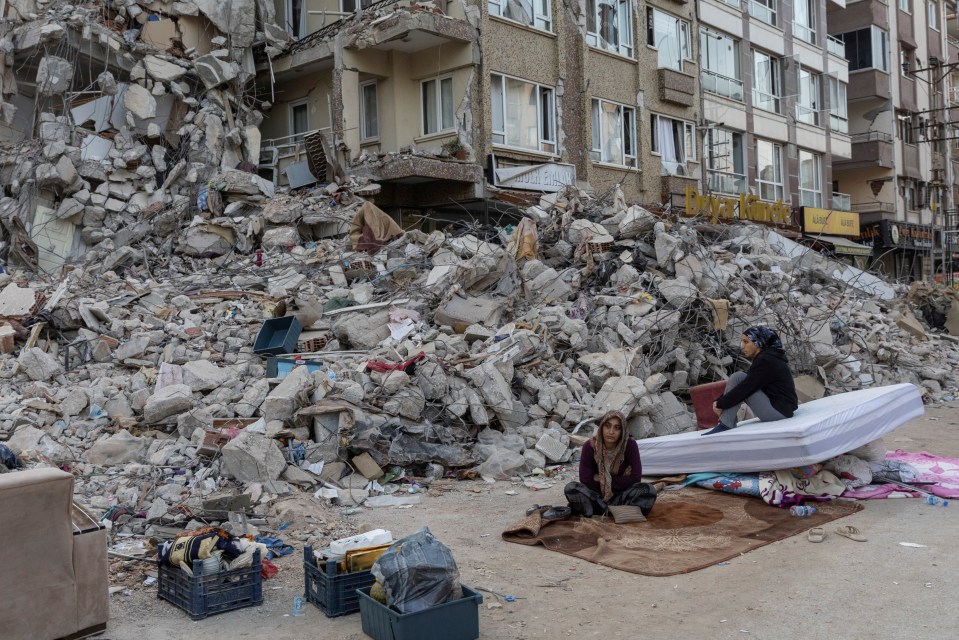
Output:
[[907, 94], [858, 15], [836, 47], [762, 11], [676, 87], [722, 85], [910, 161], [872, 149], [870, 212], [869, 83], [841, 202], [724, 182]]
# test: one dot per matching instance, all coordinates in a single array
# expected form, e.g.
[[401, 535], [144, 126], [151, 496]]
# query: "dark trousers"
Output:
[[588, 502]]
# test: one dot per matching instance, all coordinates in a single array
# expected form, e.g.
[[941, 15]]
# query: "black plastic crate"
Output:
[[277, 336], [207, 595], [454, 620], [335, 594]]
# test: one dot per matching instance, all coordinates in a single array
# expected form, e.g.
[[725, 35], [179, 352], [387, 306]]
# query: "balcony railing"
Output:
[[874, 207], [722, 85], [766, 101], [804, 33], [841, 202], [809, 115], [871, 136], [836, 46], [839, 123], [954, 41], [723, 182]]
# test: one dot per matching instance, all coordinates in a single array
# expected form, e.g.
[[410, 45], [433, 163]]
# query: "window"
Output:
[[867, 49], [669, 36], [904, 6], [724, 161], [769, 170], [533, 13], [807, 109], [804, 25], [437, 105], [524, 114], [369, 116], [764, 10], [810, 179], [674, 141], [932, 14], [299, 120], [719, 58], [905, 65], [349, 6], [609, 25], [766, 81], [906, 131], [614, 133], [296, 18], [838, 108], [909, 195]]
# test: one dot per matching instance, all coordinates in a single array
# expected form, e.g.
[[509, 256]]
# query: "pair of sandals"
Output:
[[818, 534], [550, 513]]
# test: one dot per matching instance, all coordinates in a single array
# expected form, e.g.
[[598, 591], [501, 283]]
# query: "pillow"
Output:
[[626, 513]]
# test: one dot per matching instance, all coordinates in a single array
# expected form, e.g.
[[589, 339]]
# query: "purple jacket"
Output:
[[588, 469]]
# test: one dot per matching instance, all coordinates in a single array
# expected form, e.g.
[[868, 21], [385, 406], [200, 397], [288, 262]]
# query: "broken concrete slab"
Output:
[[253, 457], [168, 401]]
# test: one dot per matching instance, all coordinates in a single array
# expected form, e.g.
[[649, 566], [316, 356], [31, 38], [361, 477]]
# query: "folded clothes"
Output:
[[275, 547]]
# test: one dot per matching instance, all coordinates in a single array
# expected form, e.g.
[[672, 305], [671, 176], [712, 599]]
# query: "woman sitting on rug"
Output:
[[610, 472], [767, 387]]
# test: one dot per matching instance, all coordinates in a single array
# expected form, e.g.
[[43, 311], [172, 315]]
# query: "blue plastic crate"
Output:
[[207, 595], [335, 594], [277, 336], [454, 620]]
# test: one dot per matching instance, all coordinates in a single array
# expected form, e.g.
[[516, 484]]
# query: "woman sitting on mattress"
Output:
[[610, 472], [767, 387]]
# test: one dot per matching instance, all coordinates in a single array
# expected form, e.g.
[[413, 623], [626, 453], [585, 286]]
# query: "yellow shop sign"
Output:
[[745, 207], [835, 223]]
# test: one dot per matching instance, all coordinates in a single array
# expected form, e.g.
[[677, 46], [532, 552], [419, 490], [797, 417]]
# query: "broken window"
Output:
[[299, 120], [609, 25], [767, 87], [437, 104], [867, 49], [807, 109], [669, 36], [524, 114], [614, 133], [769, 170], [725, 164], [349, 6], [296, 18], [369, 117], [810, 179], [719, 57], [674, 141], [534, 13]]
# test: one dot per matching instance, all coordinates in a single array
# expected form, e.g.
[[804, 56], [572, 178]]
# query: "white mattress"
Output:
[[819, 430]]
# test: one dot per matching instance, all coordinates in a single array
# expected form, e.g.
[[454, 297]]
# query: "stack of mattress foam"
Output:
[[819, 430]]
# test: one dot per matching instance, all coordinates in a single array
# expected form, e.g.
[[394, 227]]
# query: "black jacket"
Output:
[[770, 374]]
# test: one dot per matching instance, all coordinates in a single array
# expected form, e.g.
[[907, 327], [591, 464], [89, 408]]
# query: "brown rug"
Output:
[[687, 530]]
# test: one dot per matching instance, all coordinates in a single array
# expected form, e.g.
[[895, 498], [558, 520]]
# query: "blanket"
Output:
[[687, 530]]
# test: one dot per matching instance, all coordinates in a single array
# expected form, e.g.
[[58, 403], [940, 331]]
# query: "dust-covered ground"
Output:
[[789, 589]]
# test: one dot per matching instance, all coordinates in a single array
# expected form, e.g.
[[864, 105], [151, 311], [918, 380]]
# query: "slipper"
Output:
[[557, 513], [816, 534], [851, 532], [538, 507]]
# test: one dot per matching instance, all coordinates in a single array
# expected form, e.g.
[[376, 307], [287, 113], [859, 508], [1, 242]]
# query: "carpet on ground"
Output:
[[687, 530]]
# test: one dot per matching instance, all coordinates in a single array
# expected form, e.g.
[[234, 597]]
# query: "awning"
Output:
[[845, 246]]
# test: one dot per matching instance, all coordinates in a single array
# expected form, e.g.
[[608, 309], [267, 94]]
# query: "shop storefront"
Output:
[[833, 233], [901, 250]]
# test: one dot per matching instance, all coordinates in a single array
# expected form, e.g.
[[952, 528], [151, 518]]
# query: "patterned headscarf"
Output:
[[609, 461], [763, 337]]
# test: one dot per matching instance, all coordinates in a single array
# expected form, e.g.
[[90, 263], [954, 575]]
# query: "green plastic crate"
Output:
[[454, 620]]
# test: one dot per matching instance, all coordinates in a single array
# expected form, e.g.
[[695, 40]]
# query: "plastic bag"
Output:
[[418, 572]]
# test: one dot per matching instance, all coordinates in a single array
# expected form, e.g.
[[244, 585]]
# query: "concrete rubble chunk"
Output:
[[38, 364], [203, 375], [140, 102], [253, 457], [120, 448], [54, 76], [168, 401], [619, 394]]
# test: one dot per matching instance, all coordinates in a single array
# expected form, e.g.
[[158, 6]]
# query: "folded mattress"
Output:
[[819, 430]]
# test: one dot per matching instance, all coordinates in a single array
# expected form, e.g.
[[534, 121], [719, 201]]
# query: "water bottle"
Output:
[[934, 500], [299, 603], [802, 510]]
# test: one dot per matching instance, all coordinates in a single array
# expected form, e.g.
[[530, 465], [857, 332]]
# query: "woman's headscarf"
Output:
[[763, 337], [609, 461]]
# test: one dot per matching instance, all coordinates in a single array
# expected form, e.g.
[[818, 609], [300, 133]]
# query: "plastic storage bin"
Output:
[[277, 335], [455, 620], [335, 594], [207, 595]]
